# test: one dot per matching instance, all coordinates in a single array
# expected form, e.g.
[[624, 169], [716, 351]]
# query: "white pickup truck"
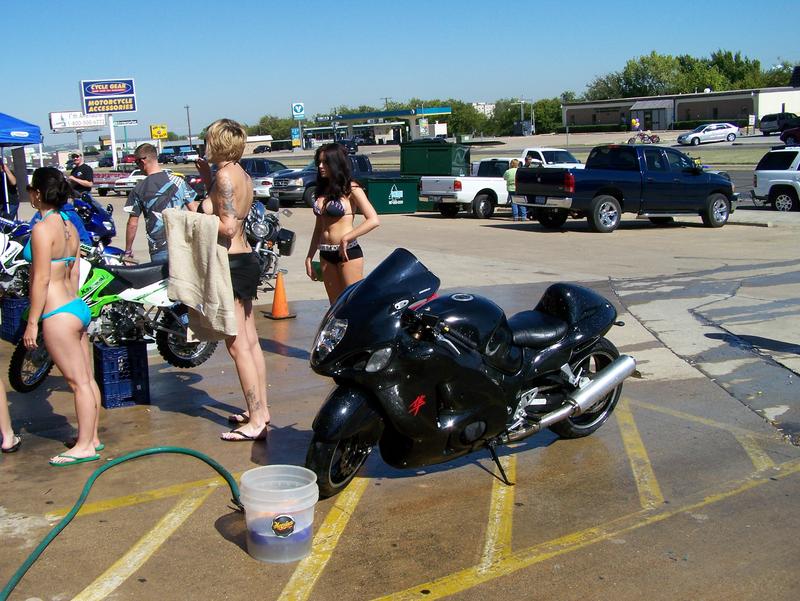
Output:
[[478, 194], [776, 179], [551, 157]]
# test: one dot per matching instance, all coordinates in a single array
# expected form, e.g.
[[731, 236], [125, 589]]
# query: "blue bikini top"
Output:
[[27, 254], [334, 208]]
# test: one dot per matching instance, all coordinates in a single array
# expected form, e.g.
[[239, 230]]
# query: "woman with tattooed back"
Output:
[[231, 194]]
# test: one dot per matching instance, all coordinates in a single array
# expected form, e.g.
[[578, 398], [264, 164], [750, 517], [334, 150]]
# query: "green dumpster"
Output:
[[434, 157], [393, 194]]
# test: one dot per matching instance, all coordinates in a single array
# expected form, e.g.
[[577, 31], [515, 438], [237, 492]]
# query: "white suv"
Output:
[[777, 179]]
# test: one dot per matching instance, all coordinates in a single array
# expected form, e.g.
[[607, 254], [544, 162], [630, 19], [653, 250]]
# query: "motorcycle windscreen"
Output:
[[400, 277]]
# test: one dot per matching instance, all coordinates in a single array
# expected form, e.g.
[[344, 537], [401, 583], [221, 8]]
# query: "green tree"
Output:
[[506, 112], [777, 76], [172, 136], [547, 113], [741, 73]]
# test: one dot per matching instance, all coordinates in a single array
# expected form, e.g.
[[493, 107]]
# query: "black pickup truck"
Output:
[[652, 181]]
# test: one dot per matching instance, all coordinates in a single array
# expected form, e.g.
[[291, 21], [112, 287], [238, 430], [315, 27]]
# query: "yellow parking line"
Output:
[[305, 575], [498, 532], [649, 491], [142, 497], [700, 420], [761, 461], [474, 576], [136, 557]]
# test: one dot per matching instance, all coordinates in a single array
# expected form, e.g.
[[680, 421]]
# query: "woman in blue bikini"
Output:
[[54, 249], [339, 198]]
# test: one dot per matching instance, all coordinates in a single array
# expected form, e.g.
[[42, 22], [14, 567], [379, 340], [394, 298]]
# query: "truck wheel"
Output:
[[604, 215], [102, 191], [552, 219], [717, 211], [482, 207], [449, 209], [783, 199], [310, 196]]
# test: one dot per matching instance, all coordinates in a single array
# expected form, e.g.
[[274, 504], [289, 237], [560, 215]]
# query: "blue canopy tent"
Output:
[[15, 132]]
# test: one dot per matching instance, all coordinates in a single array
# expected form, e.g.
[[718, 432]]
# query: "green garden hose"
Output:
[[90, 482]]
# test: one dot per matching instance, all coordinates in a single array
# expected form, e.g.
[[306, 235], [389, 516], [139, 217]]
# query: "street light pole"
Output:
[[189, 121]]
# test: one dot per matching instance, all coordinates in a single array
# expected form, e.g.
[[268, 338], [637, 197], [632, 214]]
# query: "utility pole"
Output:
[[189, 122], [386, 100]]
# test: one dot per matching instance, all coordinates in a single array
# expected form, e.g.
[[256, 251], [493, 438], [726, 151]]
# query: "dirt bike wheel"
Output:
[[599, 356], [336, 463], [176, 350], [28, 369]]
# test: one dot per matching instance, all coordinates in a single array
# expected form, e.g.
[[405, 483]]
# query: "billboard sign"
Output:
[[71, 120], [159, 131], [108, 96], [298, 111]]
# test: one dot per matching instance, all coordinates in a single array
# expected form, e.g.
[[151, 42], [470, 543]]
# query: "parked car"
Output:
[[196, 183], [105, 162], [791, 137], [776, 179], [350, 145], [775, 122], [185, 156], [262, 148], [296, 185], [126, 184], [259, 170], [551, 157], [710, 132], [166, 156], [128, 159], [651, 181]]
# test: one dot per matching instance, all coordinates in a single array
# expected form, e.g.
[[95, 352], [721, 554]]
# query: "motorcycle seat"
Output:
[[139, 276], [535, 329]]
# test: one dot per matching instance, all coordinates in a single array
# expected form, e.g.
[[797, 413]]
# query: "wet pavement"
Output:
[[686, 493]]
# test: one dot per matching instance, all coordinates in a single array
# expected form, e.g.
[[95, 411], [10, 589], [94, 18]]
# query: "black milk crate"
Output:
[[122, 374], [13, 325]]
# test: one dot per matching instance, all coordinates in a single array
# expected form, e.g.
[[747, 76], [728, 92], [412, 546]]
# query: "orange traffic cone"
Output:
[[280, 307]]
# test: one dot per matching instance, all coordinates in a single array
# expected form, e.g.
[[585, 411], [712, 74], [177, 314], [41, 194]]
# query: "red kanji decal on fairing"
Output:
[[414, 407]]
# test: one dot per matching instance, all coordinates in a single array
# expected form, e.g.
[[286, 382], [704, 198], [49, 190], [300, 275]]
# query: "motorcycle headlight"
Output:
[[259, 230], [379, 359], [329, 336]]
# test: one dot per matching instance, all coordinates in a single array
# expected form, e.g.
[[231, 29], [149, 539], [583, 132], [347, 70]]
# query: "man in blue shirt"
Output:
[[158, 191]]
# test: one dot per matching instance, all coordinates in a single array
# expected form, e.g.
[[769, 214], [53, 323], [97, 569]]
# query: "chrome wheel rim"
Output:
[[720, 210], [608, 214]]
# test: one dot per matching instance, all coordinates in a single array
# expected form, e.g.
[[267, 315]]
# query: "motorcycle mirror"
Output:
[[110, 209]]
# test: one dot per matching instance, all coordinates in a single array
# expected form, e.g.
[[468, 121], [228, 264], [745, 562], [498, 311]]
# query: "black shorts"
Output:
[[245, 270], [333, 256]]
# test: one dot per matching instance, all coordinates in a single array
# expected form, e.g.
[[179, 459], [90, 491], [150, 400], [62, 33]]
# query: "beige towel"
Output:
[[199, 275]]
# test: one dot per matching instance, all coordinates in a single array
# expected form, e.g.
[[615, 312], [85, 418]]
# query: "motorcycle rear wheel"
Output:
[[599, 356], [336, 463], [28, 369], [176, 350]]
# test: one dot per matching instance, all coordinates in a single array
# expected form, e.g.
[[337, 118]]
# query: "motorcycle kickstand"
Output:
[[491, 446]]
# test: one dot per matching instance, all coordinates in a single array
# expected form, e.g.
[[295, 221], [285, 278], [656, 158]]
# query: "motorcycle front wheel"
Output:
[[336, 463], [175, 348], [28, 369], [598, 357]]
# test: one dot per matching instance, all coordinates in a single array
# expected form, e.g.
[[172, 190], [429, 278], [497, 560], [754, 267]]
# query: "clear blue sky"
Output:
[[245, 59]]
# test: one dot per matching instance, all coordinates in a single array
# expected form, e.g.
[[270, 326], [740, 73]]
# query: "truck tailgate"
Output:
[[543, 182], [432, 185]]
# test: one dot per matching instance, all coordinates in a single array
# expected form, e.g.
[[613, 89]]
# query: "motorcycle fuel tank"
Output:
[[471, 315]]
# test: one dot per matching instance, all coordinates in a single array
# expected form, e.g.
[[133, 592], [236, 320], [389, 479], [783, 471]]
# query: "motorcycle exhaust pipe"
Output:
[[584, 398]]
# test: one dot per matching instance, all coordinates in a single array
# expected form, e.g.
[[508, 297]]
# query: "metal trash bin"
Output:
[[393, 194], [429, 157]]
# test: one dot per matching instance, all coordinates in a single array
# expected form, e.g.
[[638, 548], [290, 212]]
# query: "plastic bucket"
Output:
[[279, 510]]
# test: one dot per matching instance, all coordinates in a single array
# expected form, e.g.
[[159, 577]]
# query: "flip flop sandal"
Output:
[[14, 447], [73, 460], [238, 418], [242, 437]]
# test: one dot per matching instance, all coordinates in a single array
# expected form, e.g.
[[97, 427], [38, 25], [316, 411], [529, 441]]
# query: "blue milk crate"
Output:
[[122, 374], [13, 325]]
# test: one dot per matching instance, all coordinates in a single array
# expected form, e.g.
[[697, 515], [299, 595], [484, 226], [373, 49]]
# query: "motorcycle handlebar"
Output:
[[459, 337]]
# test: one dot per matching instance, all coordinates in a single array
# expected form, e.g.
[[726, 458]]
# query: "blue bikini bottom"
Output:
[[76, 307]]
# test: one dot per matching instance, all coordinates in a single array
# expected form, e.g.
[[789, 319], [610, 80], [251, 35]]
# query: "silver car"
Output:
[[711, 132]]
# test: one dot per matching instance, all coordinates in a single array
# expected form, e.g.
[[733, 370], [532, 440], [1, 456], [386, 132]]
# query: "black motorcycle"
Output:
[[430, 378]]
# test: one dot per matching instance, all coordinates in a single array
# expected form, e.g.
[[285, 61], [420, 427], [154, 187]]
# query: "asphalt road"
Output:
[[688, 492]]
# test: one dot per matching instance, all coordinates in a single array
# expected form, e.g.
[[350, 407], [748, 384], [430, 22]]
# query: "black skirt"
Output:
[[245, 269]]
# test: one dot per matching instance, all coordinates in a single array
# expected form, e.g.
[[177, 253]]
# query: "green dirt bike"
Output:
[[127, 303]]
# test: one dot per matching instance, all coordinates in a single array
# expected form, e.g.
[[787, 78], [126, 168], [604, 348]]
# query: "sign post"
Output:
[[299, 115]]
